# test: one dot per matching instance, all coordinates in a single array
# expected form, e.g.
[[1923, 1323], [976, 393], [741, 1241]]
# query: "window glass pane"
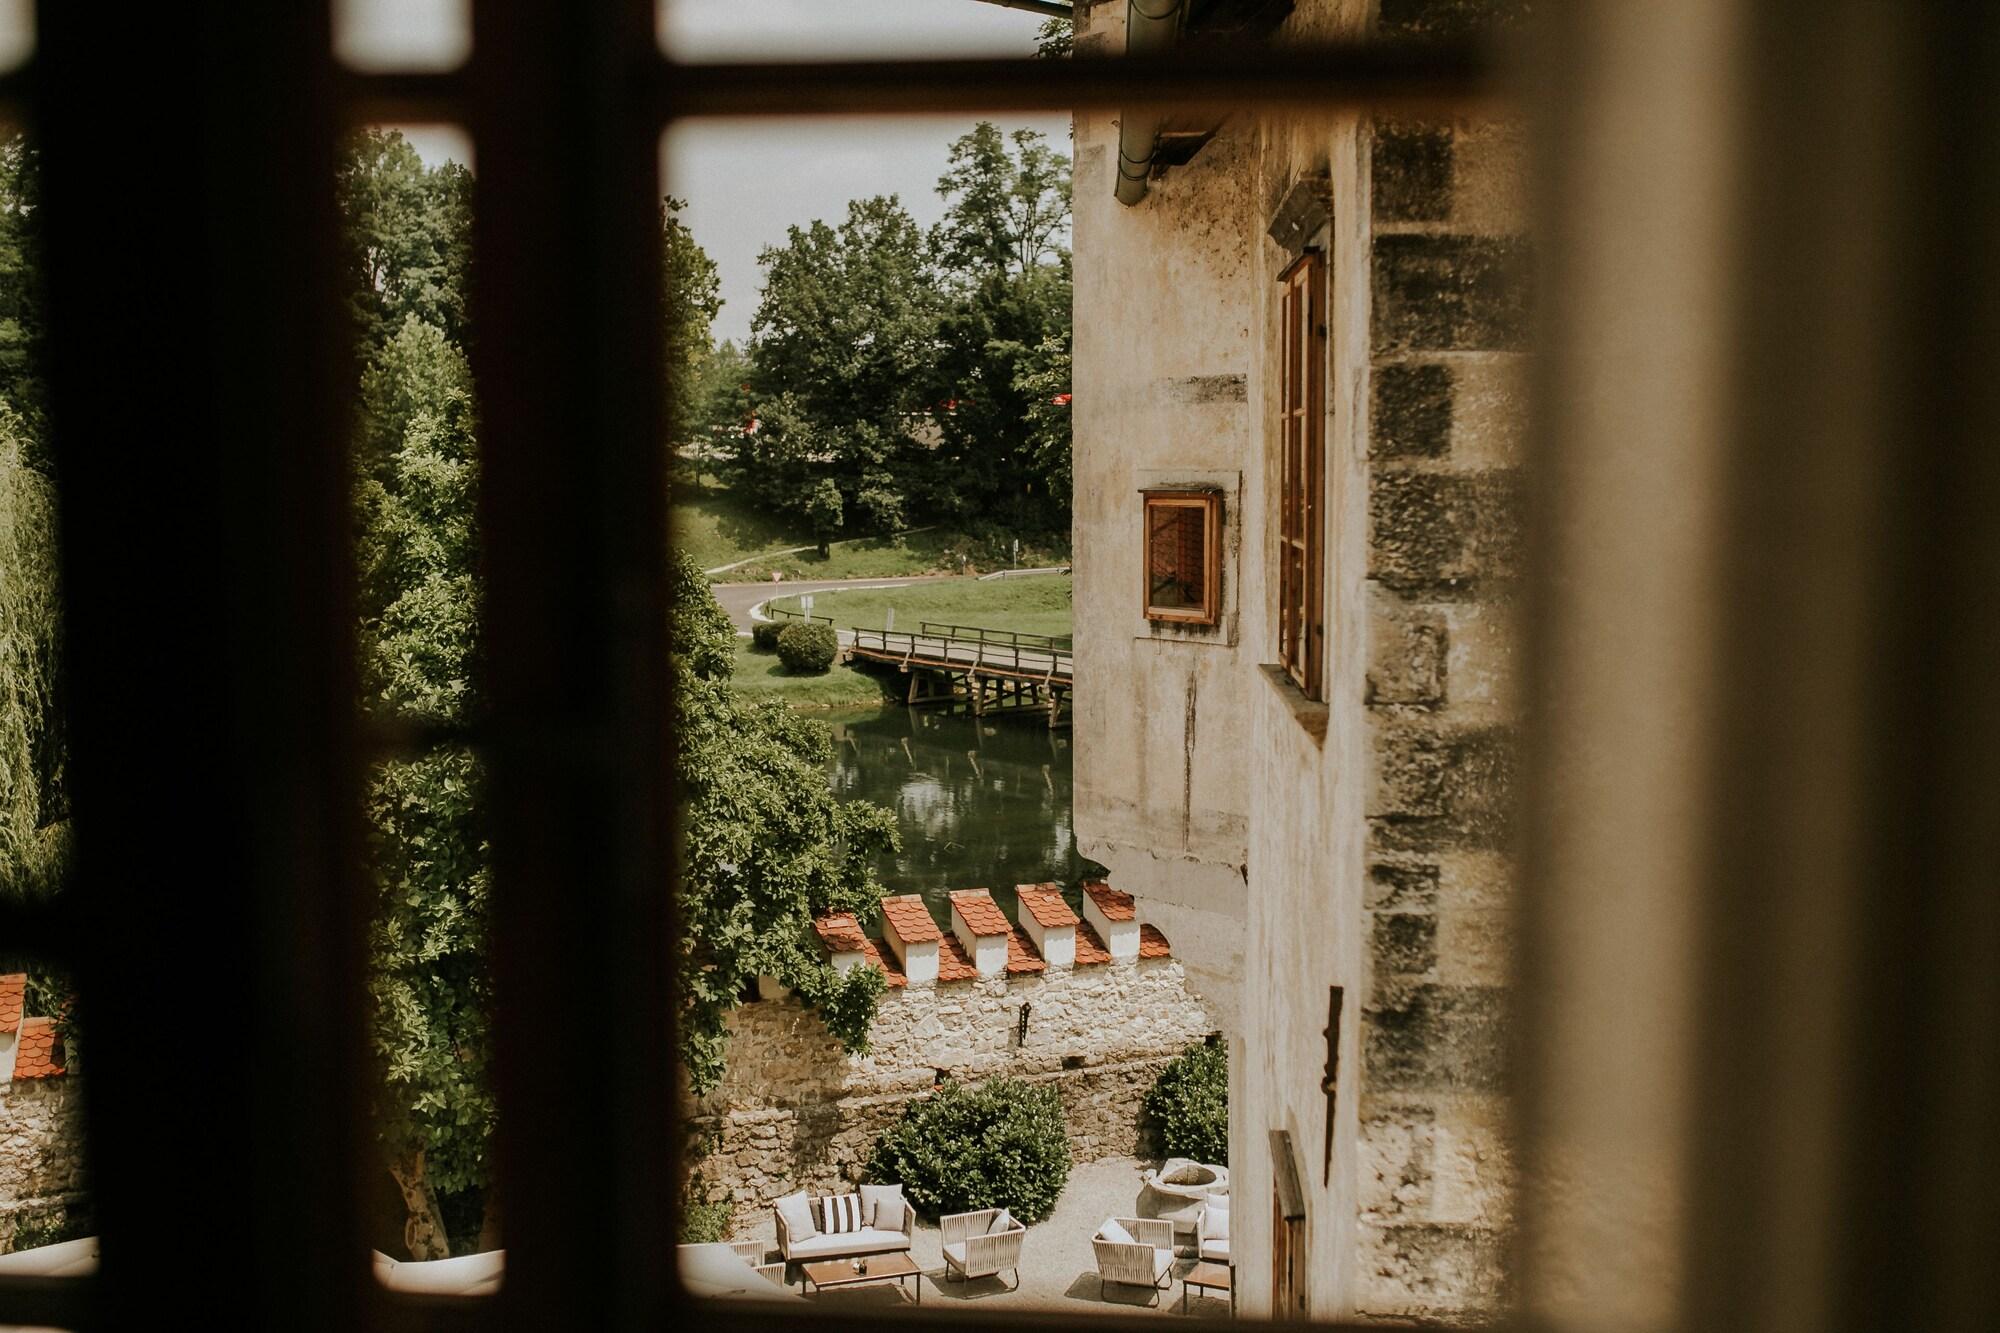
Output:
[[406, 195], [1176, 556], [17, 33], [402, 34], [850, 29]]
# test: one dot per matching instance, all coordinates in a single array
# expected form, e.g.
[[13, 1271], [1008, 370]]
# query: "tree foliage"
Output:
[[766, 848], [999, 1145], [1189, 1103], [34, 808]]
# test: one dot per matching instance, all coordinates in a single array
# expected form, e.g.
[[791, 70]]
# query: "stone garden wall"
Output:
[[796, 1112], [41, 1158]]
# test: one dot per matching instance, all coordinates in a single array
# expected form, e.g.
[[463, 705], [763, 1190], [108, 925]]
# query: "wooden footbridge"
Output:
[[984, 670]]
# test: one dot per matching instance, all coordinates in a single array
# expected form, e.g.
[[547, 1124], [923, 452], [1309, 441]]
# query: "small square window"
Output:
[[1184, 556]]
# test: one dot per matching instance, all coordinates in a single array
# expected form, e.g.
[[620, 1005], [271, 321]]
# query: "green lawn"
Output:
[[711, 524], [1029, 605], [762, 676]]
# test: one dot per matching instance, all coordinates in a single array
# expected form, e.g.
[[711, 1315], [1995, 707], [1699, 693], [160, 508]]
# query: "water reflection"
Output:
[[980, 804]]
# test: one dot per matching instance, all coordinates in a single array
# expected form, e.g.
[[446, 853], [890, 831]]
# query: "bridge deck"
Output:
[[1037, 660]]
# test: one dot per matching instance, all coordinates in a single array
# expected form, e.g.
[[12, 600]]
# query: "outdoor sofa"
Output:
[[980, 1244], [884, 1234], [1137, 1251], [1211, 1232]]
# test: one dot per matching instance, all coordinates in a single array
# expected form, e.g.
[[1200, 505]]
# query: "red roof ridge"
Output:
[[1090, 946], [13, 999], [1021, 955], [36, 1057], [1116, 904], [953, 964], [981, 914], [910, 916], [841, 932], [1045, 903]]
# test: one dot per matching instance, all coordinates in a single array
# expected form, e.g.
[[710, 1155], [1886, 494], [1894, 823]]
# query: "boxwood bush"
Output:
[[807, 648], [764, 635], [999, 1145], [1189, 1104]]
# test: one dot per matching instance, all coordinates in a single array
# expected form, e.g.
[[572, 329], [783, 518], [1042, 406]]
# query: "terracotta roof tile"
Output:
[[841, 932], [13, 995], [1021, 955], [1152, 944], [953, 964], [1114, 903], [36, 1057], [883, 963], [1045, 903], [1090, 946], [911, 919], [982, 915]]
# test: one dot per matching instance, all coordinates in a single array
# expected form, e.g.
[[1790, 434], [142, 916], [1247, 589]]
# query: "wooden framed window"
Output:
[[1301, 583], [1184, 556]]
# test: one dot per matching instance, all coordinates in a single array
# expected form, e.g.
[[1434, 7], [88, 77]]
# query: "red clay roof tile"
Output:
[[910, 918], [36, 1057], [1152, 944], [953, 964], [841, 932], [883, 963], [1021, 955], [1045, 903], [982, 915], [13, 996], [1116, 904], [1090, 946]]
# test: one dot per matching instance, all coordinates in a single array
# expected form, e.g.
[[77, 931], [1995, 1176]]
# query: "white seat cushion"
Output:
[[868, 1240], [1216, 1247], [1163, 1263], [956, 1252]]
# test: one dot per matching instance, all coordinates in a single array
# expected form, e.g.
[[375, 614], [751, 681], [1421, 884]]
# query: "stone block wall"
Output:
[[41, 1157], [794, 1111], [1449, 280]]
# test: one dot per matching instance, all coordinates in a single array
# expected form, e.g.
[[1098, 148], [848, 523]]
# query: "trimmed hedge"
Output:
[[1189, 1104], [999, 1145], [808, 648], [764, 635]]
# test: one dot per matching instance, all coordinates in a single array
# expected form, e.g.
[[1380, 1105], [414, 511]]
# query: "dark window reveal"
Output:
[[1301, 595], [1183, 556]]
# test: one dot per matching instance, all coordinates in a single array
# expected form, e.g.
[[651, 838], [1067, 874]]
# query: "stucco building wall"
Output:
[[1374, 828]]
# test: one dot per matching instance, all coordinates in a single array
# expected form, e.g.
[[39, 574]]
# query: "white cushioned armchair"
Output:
[[1211, 1234], [981, 1244], [1146, 1260]]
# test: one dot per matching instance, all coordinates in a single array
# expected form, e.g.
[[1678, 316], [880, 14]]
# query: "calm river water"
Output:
[[980, 804]]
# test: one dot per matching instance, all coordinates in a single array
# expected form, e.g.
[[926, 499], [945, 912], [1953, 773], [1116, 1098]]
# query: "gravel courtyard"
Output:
[[1058, 1267]]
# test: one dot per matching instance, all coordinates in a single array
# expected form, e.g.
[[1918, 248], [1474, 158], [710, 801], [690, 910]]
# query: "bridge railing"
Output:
[[960, 651], [786, 613], [1019, 639]]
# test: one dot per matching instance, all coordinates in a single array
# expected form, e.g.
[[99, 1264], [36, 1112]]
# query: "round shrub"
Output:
[[999, 1145], [807, 648], [764, 635], [1189, 1104]]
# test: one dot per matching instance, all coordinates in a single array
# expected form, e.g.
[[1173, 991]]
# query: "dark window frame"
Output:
[[1302, 473], [1209, 504], [231, 384]]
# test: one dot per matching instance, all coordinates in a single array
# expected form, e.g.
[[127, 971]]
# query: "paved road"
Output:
[[738, 598]]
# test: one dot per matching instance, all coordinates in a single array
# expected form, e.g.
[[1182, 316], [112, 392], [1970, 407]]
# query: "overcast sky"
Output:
[[746, 181]]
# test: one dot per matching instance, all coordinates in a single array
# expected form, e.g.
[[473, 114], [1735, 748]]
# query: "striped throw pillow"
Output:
[[840, 1213]]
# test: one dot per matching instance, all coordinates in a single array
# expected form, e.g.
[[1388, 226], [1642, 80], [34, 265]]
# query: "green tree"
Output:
[[21, 324], [766, 848], [824, 511], [843, 353], [408, 230], [690, 298], [34, 810], [1003, 249]]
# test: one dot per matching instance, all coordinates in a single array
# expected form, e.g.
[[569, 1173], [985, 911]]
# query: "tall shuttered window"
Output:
[[1301, 584]]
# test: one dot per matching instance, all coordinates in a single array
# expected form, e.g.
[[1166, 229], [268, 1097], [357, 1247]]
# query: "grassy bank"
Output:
[[717, 528], [1027, 606], [762, 676]]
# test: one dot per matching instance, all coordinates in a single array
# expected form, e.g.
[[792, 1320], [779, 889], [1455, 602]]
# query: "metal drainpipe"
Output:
[[1151, 26]]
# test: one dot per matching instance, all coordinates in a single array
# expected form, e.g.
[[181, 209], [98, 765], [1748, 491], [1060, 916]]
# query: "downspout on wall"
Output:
[[1151, 26]]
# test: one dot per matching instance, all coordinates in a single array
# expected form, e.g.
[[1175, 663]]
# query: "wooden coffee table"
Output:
[[1209, 1277], [828, 1274]]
